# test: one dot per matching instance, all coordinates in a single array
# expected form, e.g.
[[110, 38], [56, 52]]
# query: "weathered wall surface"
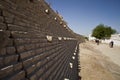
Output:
[[34, 44]]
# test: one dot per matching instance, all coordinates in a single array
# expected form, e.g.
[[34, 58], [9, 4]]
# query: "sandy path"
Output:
[[97, 62], [112, 53]]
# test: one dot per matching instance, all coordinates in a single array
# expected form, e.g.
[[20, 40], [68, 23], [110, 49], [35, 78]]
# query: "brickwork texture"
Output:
[[35, 43]]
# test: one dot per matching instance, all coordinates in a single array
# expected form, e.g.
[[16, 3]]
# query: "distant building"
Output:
[[91, 38], [115, 38]]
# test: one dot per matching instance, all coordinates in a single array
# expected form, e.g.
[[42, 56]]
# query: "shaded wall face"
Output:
[[34, 46]]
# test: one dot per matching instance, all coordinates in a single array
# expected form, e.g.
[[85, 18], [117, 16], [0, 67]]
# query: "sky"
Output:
[[83, 16]]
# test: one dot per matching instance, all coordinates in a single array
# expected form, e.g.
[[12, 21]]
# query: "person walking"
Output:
[[111, 44], [97, 41]]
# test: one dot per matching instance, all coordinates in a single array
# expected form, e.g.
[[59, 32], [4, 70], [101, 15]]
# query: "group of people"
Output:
[[110, 44]]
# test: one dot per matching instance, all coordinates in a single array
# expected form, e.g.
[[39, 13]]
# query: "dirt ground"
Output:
[[99, 62]]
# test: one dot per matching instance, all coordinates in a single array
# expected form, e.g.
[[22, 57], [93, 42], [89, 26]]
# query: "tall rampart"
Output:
[[35, 43]]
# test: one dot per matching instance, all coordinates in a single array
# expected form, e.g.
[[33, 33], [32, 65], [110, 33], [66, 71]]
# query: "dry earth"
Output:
[[99, 62]]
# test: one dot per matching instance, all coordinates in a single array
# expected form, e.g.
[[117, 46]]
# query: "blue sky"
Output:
[[83, 16]]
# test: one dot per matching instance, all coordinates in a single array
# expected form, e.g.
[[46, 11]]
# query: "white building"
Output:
[[91, 38], [115, 38]]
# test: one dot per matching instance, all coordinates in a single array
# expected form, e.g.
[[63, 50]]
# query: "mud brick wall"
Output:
[[34, 44]]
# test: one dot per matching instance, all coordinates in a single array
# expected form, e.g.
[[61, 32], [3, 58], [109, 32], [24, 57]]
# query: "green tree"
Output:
[[101, 31]]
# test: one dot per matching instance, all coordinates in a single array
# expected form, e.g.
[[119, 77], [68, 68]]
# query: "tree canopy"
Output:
[[101, 31]]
